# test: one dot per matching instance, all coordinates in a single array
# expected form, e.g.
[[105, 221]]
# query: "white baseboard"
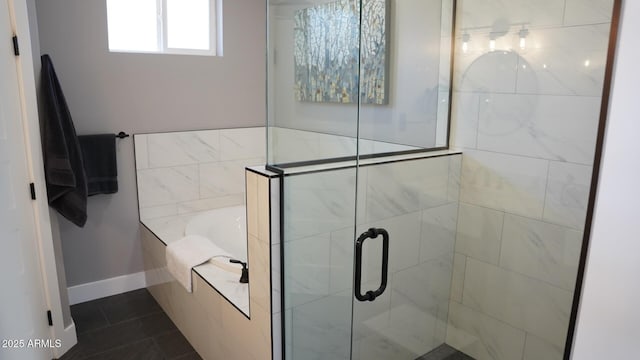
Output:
[[99, 289], [68, 339]]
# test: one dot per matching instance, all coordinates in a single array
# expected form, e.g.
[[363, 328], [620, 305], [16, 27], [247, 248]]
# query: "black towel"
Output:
[[100, 164], [64, 170]]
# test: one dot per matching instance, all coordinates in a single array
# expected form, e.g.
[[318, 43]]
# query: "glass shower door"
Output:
[[403, 256], [406, 208]]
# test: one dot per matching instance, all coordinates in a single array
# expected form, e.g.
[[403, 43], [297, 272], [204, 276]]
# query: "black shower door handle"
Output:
[[371, 234]]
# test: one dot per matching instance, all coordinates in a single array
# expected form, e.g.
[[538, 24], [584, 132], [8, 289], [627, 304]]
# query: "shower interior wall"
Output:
[[526, 120]]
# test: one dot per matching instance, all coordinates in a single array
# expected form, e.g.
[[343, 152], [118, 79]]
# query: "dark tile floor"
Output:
[[129, 326], [445, 352]]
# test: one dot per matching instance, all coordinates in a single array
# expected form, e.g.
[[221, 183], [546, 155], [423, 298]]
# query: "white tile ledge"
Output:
[[224, 282]]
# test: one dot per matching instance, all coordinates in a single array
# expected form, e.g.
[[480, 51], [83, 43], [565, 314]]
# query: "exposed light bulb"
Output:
[[587, 63], [523, 38], [492, 44], [465, 43]]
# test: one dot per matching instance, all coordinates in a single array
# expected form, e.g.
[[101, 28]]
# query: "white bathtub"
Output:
[[226, 228]]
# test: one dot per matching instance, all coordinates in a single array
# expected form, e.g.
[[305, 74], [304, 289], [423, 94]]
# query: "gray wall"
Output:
[[137, 93]]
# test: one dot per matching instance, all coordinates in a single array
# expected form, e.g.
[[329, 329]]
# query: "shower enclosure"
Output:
[[412, 225]]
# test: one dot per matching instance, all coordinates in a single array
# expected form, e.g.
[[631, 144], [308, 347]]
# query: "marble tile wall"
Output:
[[215, 328], [184, 172], [416, 201], [526, 120]]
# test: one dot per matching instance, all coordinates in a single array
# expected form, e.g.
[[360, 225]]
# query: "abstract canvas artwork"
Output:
[[332, 63]]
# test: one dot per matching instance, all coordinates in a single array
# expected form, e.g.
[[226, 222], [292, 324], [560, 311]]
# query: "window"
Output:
[[164, 26]]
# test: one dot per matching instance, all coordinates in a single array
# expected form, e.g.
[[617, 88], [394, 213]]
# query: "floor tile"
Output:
[[173, 344], [142, 350], [129, 306], [88, 316], [445, 352]]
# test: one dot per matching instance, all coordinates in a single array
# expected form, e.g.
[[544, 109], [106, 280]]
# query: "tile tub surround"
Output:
[[172, 228], [214, 327], [526, 120], [186, 172], [410, 318]]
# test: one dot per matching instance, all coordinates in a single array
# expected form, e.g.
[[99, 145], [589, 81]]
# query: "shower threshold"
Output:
[[445, 352]]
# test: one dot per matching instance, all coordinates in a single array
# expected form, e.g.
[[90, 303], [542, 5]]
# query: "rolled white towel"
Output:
[[184, 254]]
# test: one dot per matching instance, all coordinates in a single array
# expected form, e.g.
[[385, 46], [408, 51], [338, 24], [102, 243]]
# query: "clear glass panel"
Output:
[[318, 264], [188, 24], [312, 80], [415, 114], [404, 78], [133, 25]]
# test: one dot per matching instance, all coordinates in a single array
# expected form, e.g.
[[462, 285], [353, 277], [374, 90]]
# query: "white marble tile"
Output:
[[158, 212], [183, 148], [567, 194], [536, 349], [464, 119], [342, 250], [479, 233], [402, 187], [210, 204], [404, 245], [141, 151], [236, 144], [483, 337], [322, 329], [549, 127], [419, 305], [455, 173], [307, 269], [518, 300], [226, 283], [540, 250], [438, 232], [488, 13], [370, 317], [380, 347], [425, 286], [170, 228], [578, 12], [555, 61], [223, 178], [167, 185], [503, 182], [484, 71], [457, 277], [319, 203]]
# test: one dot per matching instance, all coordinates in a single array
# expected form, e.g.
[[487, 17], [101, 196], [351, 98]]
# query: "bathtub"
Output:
[[227, 230]]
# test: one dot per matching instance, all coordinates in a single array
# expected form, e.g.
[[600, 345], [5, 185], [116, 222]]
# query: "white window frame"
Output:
[[215, 35]]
